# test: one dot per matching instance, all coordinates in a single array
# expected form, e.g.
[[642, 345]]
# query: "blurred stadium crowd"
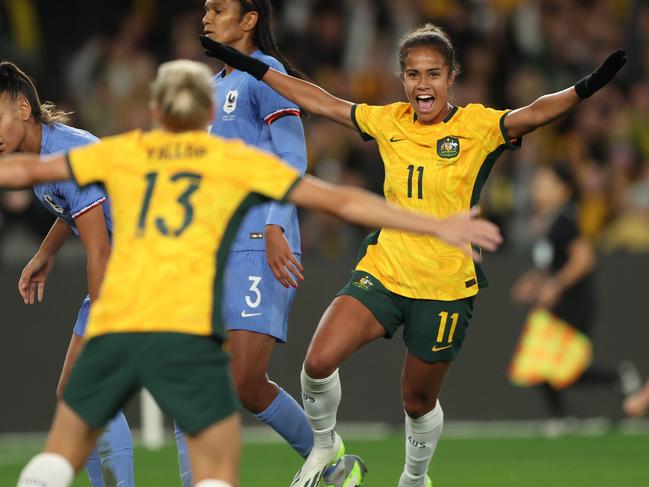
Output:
[[98, 58]]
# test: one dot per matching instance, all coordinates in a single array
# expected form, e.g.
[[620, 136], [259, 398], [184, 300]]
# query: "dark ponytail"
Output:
[[263, 36], [15, 82]]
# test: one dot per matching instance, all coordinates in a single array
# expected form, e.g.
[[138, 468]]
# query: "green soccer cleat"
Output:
[[429, 483], [317, 462], [348, 472]]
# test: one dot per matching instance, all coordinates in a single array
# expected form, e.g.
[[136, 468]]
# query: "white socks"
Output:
[[47, 470], [321, 398], [213, 483], [422, 435]]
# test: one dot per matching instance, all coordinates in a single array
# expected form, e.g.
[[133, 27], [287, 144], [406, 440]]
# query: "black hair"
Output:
[[564, 173], [432, 36], [263, 35], [15, 82]]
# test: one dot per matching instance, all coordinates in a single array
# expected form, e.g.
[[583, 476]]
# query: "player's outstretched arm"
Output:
[[549, 107], [364, 208], [308, 95], [24, 170]]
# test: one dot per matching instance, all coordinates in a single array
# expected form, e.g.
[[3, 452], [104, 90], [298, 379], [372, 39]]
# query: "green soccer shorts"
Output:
[[188, 375], [432, 330]]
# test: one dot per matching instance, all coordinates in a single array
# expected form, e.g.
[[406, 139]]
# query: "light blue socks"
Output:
[[112, 458], [284, 415]]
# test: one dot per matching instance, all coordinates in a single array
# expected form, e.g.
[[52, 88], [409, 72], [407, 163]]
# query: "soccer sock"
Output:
[[183, 459], [422, 435], [47, 470], [286, 417], [93, 469], [321, 398], [112, 458], [213, 483]]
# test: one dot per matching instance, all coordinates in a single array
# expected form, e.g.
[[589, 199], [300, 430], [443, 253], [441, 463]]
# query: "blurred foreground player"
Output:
[[263, 269], [178, 195], [29, 126]]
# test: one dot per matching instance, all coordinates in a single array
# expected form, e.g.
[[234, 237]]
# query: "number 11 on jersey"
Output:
[[420, 181]]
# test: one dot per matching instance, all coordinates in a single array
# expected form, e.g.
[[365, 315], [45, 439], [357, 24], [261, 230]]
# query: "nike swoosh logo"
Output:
[[394, 139], [249, 315], [439, 349]]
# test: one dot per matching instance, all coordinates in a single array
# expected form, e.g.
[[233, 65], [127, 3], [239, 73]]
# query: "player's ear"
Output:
[[24, 108], [249, 21], [451, 77]]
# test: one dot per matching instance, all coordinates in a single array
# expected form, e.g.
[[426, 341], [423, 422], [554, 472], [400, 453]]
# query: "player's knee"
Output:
[[318, 365], [249, 389], [418, 403]]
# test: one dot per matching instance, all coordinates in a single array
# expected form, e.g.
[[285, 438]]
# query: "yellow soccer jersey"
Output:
[[435, 169], [176, 202]]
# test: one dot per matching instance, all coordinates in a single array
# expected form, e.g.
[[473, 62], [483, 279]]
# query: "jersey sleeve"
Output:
[[273, 106], [489, 126], [80, 200], [91, 163], [366, 119], [261, 172], [288, 139]]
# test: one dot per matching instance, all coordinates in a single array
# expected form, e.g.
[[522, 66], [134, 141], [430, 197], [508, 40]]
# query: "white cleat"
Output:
[[407, 481], [317, 462], [349, 471]]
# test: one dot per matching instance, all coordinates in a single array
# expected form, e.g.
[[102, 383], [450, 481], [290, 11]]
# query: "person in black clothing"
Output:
[[562, 278]]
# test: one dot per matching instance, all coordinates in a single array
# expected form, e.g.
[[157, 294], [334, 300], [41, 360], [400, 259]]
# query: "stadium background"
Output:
[[97, 59]]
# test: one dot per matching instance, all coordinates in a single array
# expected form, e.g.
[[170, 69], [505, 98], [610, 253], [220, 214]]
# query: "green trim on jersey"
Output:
[[72, 176], [481, 179], [290, 189], [364, 136], [253, 199]]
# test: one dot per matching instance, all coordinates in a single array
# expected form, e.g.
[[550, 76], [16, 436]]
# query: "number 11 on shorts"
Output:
[[442, 328]]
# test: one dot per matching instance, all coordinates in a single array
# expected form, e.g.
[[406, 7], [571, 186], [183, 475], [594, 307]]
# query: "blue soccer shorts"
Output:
[[82, 318], [253, 299]]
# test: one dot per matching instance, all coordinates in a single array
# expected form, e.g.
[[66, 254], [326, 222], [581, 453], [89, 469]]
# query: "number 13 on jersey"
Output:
[[191, 182]]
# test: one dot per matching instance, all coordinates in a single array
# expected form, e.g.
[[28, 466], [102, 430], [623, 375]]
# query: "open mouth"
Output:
[[425, 102]]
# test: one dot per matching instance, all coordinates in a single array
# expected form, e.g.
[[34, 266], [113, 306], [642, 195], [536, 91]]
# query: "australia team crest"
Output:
[[448, 147]]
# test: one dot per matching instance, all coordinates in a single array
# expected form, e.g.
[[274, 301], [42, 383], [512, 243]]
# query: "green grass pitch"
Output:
[[603, 461]]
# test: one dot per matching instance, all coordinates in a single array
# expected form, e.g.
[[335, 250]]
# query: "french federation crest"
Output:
[[448, 147], [231, 101]]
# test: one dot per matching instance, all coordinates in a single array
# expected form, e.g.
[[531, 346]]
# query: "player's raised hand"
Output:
[[234, 58], [466, 228], [31, 284], [281, 260], [602, 75]]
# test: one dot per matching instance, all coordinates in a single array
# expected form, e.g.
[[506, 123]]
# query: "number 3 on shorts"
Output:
[[255, 300]]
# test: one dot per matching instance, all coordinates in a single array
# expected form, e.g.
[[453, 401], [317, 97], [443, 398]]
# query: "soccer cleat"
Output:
[[349, 471], [317, 462], [406, 481]]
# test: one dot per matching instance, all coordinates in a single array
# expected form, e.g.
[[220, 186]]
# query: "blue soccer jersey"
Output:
[[246, 109], [64, 199]]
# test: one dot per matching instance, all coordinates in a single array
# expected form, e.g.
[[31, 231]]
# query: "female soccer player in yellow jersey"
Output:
[[178, 195], [437, 157]]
